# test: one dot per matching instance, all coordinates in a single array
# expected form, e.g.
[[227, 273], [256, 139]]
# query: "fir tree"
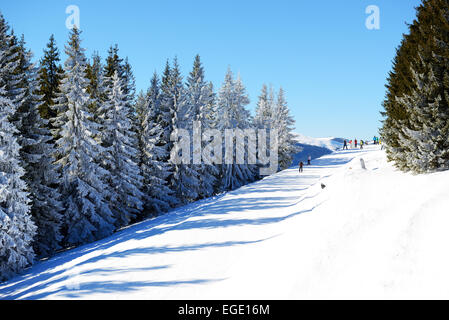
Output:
[[200, 100], [232, 114], [416, 127], [16, 226], [113, 63], [140, 109], [265, 116], [394, 113], [36, 154], [185, 181], [88, 216], [50, 76], [166, 112], [164, 118], [129, 83], [284, 123], [124, 71], [158, 197], [129, 90], [118, 138], [97, 86], [264, 111]]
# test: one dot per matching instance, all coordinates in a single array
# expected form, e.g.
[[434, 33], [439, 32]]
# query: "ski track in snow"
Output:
[[279, 238]]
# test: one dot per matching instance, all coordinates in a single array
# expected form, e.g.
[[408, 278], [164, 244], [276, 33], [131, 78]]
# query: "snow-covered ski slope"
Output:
[[374, 233]]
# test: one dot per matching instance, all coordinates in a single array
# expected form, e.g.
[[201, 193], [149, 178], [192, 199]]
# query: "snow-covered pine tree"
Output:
[[129, 83], [232, 114], [129, 90], [98, 90], [123, 68], [113, 63], [118, 138], [87, 214], [426, 131], [200, 100], [140, 107], [264, 114], [166, 113], [36, 154], [241, 114], [399, 79], [284, 123], [185, 181], [249, 171], [16, 226], [97, 86], [212, 113], [50, 76], [124, 71], [111, 109], [213, 123], [416, 135], [158, 197], [416, 108]]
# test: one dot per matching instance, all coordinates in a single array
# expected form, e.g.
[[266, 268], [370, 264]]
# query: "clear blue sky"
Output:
[[332, 67]]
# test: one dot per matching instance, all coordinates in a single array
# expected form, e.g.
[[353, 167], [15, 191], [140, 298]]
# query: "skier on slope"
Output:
[[309, 159], [355, 143], [345, 145], [361, 144], [301, 165]]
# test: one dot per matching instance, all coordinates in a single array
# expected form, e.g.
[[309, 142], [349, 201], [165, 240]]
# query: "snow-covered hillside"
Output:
[[330, 143], [314, 147], [374, 233]]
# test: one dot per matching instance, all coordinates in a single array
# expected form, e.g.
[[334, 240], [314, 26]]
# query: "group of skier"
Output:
[[376, 140], [354, 143], [301, 164]]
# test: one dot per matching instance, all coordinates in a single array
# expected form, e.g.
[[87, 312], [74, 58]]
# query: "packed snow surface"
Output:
[[374, 233]]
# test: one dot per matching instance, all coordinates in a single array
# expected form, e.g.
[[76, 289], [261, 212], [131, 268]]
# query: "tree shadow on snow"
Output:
[[208, 214], [33, 286]]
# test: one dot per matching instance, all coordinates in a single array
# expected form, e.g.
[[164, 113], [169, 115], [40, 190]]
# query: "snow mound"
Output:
[[383, 234]]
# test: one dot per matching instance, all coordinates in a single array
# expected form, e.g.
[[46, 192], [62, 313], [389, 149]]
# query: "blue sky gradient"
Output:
[[332, 67]]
